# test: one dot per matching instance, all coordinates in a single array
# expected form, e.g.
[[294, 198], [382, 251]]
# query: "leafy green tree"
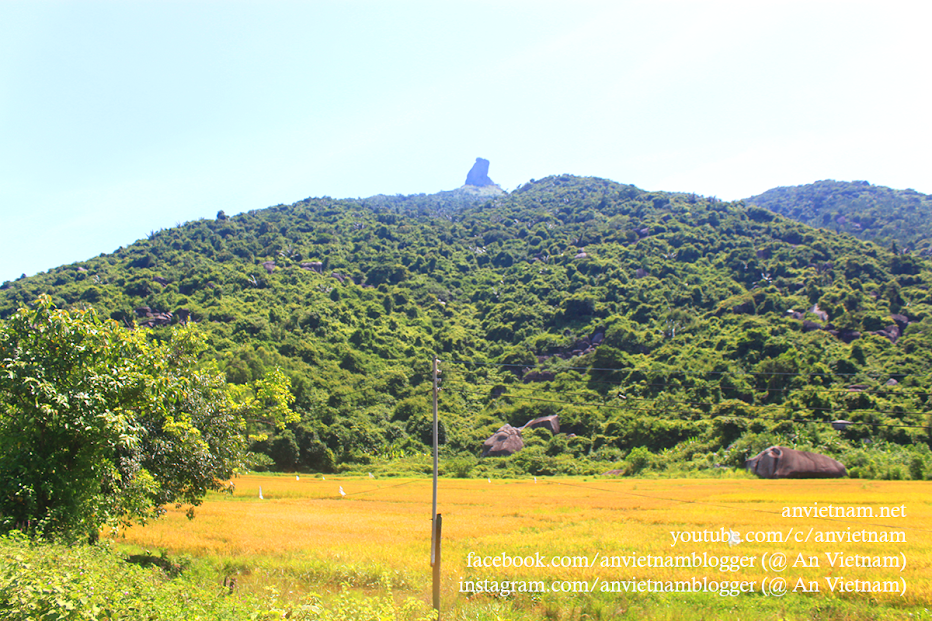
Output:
[[99, 424], [285, 450]]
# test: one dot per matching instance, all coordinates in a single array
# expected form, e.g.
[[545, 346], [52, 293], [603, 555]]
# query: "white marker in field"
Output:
[[734, 538]]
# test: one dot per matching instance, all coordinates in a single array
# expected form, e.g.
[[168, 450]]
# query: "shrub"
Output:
[[71, 583], [637, 460], [461, 466]]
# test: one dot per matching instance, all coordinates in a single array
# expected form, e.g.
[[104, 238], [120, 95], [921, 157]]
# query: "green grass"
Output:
[[45, 581]]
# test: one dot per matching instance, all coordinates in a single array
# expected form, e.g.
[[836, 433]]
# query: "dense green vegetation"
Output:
[[876, 213], [670, 332], [42, 580], [100, 425]]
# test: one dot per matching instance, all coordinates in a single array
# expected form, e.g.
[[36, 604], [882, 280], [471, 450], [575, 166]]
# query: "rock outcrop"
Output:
[[582, 347], [538, 376], [550, 423], [506, 441], [893, 332], [782, 463], [818, 312], [479, 174], [149, 318]]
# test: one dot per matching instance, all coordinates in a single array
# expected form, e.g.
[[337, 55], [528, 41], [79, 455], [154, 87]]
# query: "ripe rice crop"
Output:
[[305, 536]]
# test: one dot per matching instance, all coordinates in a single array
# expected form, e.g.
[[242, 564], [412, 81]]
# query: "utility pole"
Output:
[[435, 518], [436, 442]]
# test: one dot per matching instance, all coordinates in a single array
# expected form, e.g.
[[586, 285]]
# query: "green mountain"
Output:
[[865, 211], [668, 331]]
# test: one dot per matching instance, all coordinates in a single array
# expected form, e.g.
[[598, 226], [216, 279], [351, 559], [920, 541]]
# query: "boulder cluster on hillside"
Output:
[[149, 318], [892, 332], [580, 347]]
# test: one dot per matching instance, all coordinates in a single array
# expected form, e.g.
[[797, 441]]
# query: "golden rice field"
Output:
[[304, 536]]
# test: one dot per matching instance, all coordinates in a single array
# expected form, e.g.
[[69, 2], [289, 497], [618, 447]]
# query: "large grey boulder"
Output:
[[506, 441], [782, 463], [550, 423]]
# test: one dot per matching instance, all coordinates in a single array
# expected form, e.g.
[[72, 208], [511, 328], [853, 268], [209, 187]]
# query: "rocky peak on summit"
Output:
[[479, 174]]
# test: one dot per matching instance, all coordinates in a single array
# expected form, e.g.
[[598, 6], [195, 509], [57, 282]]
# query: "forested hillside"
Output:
[[866, 211], [668, 331]]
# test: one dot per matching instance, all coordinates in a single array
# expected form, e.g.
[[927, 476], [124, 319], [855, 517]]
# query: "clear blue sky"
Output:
[[119, 118]]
